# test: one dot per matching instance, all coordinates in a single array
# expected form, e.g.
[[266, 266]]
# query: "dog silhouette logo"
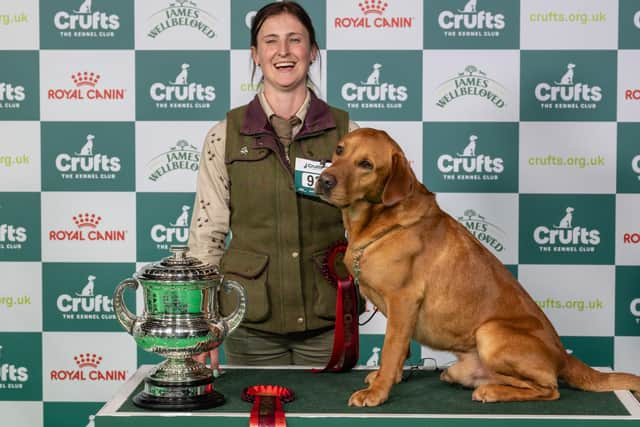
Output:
[[470, 149], [85, 7], [87, 290], [374, 359], [87, 148], [183, 218], [374, 77], [469, 7], [567, 77], [182, 77], [565, 222]]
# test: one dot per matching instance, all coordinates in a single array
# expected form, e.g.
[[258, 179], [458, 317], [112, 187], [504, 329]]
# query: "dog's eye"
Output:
[[339, 150], [365, 164]]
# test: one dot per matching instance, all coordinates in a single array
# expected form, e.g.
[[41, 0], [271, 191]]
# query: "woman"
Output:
[[247, 184]]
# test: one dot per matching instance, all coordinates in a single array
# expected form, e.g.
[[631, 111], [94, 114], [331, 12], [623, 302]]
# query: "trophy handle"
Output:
[[125, 317], [234, 319]]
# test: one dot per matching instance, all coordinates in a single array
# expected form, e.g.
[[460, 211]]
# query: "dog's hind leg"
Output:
[[523, 366]]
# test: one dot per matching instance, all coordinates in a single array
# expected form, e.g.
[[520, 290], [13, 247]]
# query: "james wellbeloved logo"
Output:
[[87, 229], [86, 368], [181, 85], [182, 14], [181, 156], [19, 226], [471, 82], [373, 14], [476, 157], [85, 83], [568, 85], [485, 231], [86, 24], [563, 229], [374, 86], [19, 85]]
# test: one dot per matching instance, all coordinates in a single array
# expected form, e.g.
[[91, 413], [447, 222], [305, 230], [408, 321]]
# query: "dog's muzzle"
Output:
[[326, 182]]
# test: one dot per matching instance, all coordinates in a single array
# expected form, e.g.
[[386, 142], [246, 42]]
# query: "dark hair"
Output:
[[278, 8]]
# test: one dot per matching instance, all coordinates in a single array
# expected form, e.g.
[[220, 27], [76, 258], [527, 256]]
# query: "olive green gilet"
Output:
[[279, 237]]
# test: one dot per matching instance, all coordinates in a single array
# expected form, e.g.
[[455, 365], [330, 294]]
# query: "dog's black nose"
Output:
[[325, 183]]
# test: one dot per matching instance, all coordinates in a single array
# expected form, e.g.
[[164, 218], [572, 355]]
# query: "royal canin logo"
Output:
[[90, 221], [85, 83], [373, 11], [87, 370]]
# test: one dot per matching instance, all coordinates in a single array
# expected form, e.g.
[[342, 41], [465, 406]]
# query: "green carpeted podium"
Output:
[[423, 400]]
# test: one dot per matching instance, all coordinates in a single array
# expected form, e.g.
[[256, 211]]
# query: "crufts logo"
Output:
[[636, 19], [373, 93], [374, 17], [11, 96], [12, 236], [634, 307], [484, 230], [470, 82], [84, 22], [469, 165], [87, 370], [85, 83], [86, 164], [86, 305], [12, 376], [565, 237], [182, 156], [471, 22], [182, 13], [176, 232], [84, 221], [187, 95], [568, 94]]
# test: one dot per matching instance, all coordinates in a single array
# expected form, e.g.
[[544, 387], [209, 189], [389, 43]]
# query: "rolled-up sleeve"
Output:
[[210, 219]]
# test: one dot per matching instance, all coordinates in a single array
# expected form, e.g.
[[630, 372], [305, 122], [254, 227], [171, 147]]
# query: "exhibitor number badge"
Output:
[[307, 173]]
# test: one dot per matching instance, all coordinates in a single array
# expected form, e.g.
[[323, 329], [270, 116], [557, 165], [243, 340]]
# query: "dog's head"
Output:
[[367, 166]]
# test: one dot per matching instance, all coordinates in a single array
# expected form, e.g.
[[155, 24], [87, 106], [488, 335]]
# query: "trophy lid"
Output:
[[178, 267]]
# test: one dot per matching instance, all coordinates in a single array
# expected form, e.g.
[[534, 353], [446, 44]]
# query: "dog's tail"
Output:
[[581, 376]]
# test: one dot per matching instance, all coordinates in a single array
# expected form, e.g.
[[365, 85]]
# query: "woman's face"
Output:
[[283, 52]]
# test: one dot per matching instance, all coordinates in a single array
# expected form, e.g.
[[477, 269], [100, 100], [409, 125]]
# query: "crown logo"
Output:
[[84, 78], [373, 6], [87, 220], [87, 359]]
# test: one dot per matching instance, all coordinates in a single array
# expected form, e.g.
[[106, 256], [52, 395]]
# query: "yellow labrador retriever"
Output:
[[437, 284]]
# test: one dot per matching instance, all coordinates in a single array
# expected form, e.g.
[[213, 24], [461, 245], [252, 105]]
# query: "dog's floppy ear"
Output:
[[400, 182]]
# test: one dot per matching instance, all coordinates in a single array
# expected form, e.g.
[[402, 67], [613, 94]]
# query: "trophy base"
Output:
[[178, 396]]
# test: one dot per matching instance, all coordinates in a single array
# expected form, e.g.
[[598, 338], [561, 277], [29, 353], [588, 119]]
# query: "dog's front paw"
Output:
[[370, 378], [368, 397], [485, 394]]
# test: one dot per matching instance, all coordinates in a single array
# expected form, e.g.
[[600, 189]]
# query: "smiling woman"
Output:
[[280, 229]]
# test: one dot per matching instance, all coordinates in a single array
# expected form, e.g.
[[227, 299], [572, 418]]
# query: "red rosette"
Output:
[[329, 262], [267, 404], [285, 394]]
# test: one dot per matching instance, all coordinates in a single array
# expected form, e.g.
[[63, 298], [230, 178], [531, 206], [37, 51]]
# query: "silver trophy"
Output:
[[181, 319]]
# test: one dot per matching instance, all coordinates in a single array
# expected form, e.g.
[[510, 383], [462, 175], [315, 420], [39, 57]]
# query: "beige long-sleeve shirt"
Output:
[[210, 219]]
